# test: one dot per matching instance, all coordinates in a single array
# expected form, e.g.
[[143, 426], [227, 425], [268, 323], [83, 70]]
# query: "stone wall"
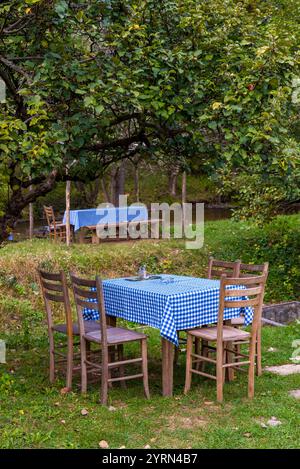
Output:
[[283, 313]]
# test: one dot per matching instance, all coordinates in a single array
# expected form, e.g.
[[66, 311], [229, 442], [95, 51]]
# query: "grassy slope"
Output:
[[32, 412]]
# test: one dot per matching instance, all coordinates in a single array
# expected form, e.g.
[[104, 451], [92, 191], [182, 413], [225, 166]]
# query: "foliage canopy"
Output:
[[92, 82]]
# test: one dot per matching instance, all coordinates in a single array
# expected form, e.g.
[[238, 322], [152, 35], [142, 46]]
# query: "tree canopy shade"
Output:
[[92, 82]]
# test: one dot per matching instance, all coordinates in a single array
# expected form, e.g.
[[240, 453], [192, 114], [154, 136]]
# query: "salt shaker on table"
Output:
[[142, 272]]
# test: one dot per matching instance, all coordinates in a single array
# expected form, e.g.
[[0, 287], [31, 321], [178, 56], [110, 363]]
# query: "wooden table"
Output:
[[169, 304]]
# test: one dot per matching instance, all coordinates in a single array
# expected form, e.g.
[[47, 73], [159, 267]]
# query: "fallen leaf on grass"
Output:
[[64, 391], [273, 422], [103, 444], [247, 435], [84, 412], [112, 408]]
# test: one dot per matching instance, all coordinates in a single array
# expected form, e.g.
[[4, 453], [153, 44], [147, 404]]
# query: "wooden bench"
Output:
[[153, 223]]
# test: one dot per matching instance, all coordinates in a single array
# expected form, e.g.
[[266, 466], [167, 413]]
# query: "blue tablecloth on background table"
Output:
[[93, 216], [170, 306]]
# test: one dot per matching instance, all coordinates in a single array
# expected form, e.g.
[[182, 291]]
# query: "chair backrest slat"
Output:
[[51, 297], [85, 293], [53, 286], [217, 268], [87, 304], [248, 270], [50, 276], [240, 303], [218, 272], [83, 282], [243, 292]]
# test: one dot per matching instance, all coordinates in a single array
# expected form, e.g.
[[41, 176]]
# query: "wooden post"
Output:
[[137, 183], [183, 197], [31, 218], [68, 228]]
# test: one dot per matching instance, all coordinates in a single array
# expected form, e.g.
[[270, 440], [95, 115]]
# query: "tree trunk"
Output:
[[117, 185], [113, 185], [104, 190], [173, 183], [31, 218], [121, 178]]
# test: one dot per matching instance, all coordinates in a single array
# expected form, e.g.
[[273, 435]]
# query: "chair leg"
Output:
[[251, 371], [230, 359], [104, 376], [51, 359], [145, 367], [225, 370], [258, 353], [188, 373], [220, 373], [204, 353], [122, 368], [83, 365], [69, 365]]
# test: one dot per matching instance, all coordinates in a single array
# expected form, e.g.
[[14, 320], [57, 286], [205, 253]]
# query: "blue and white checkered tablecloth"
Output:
[[93, 216], [170, 304]]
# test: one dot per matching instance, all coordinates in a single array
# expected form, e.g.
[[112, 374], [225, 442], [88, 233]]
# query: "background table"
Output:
[[170, 304], [93, 216]]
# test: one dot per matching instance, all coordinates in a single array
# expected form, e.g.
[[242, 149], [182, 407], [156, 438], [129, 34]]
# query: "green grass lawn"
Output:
[[34, 414]]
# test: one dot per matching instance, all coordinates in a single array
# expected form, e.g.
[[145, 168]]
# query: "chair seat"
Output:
[[230, 334], [88, 325], [115, 335], [240, 321]]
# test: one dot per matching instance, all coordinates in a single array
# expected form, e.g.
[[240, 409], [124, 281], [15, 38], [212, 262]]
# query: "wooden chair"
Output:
[[57, 231], [250, 270], [224, 335], [216, 268], [105, 337], [55, 290]]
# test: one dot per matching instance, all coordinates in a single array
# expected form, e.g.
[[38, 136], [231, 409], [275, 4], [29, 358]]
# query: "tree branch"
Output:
[[15, 68]]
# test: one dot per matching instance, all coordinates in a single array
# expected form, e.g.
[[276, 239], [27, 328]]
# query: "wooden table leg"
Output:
[[81, 235], [167, 367], [95, 238], [111, 320]]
